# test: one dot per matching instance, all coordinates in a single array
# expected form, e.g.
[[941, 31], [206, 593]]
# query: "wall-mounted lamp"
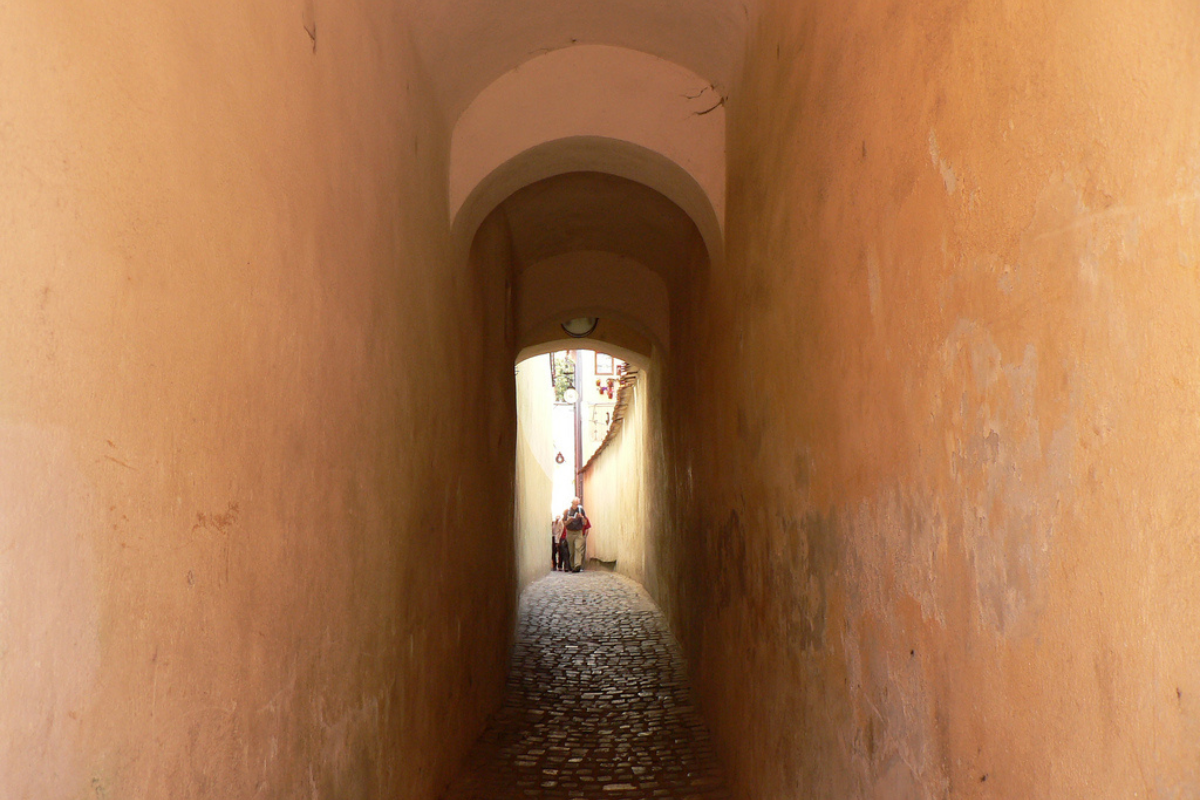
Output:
[[580, 326]]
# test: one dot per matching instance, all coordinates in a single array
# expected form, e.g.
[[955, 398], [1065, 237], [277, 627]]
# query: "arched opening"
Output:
[[587, 243]]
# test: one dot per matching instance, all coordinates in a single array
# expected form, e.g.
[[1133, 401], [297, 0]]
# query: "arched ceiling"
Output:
[[467, 44], [594, 284], [591, 154], [610, 94], [596, 130], [582, 211]]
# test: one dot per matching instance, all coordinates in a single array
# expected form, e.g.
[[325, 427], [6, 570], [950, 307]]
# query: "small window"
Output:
[[604, 364]]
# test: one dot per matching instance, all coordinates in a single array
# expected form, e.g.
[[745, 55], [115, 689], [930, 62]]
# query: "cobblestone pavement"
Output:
[[597, 706]]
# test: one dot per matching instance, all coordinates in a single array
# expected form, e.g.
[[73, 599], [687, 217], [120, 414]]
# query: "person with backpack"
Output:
[[576, 523], [558, 544], [564, 550]]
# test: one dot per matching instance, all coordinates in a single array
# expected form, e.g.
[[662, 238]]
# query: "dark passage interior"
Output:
[[909, 464]]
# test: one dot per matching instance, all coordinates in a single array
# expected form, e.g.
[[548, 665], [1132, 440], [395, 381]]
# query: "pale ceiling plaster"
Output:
[[600, 91], [467, 44]]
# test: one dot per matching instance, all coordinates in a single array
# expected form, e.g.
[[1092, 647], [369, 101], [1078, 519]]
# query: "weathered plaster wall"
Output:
[[242, 426], [535, 467], [942, 507]]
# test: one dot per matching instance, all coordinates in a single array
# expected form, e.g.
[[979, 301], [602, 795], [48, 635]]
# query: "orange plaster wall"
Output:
[[941, 512], [240, 444]]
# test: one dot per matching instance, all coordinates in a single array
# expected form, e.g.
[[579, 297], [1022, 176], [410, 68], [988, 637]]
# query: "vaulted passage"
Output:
[[910, 291]]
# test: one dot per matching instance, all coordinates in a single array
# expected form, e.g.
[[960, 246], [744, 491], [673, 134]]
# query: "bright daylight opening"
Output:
[[567, 402]]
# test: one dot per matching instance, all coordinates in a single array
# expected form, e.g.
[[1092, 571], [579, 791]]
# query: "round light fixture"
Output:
[[570, 395], [580, 326]]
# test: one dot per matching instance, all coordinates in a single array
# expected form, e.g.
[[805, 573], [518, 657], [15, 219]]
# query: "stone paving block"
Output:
[[598, 704]]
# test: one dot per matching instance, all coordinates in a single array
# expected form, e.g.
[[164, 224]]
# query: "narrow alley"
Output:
[[905, 449], [597, 705]]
